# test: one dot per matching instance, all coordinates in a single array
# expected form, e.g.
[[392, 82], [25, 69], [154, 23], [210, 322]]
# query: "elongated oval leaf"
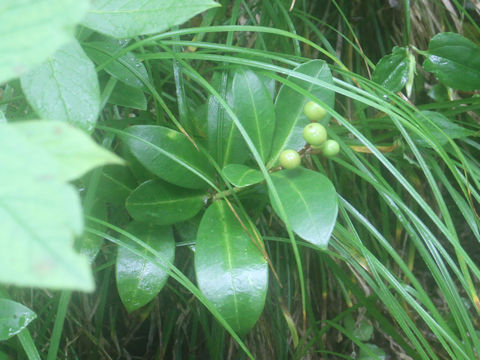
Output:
[[32, 30], [14, 317], [126, 68], [454, 60], [126, 19], [129, 97], [392, 70], [116, 184], [289, 108], [231, 272], [310, 202], [65, 87], [241, 175], [169, 155], [253, 106], [221, 130], [140, 280], [164, 204]]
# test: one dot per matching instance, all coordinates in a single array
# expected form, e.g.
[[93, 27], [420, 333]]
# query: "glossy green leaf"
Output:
[[251, 101], [253, 106], [187, 230], [75, 152], [439, 125], [310, 202], [438, 93], [254, 199], [454, 60], [289, 108], [126, 19], [126, 68], [90, 244], [138, 279], [14, 317], [241, 175], [163, 204], [32, 30], [221, 130], [65, 87], [116, 184], [392, 70], [139, 172], [169, 155], [129, 97], [231, 272]]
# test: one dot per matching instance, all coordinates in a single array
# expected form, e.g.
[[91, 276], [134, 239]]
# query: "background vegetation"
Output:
[[399, 277]]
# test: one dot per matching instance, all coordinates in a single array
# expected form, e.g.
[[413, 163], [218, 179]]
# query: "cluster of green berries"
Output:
[[314, 134]]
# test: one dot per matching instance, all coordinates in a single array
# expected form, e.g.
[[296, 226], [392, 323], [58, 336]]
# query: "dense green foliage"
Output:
[[239, 179]]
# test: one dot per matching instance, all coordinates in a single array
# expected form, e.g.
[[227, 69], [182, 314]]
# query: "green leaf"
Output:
[[253, 106], [289, 108], [254, 199], [251, 101], [129, 97], [40, 215], [140, 280], [439, 125], [14, 317], [127, 19], [310, 203], [163, 204], [241, 175], [231, 272], [126, 68], [169, 155], [65, 87], [392, 70], [221, 130], [187, 230], [90, 244], [454, 60], [363, 331], [116, 184], [374, 353], [32, 30], [75, 152]]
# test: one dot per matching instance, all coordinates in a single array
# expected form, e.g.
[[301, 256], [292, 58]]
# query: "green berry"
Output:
[[289, 159], [313, 111], [315, 134], [330, 148]]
